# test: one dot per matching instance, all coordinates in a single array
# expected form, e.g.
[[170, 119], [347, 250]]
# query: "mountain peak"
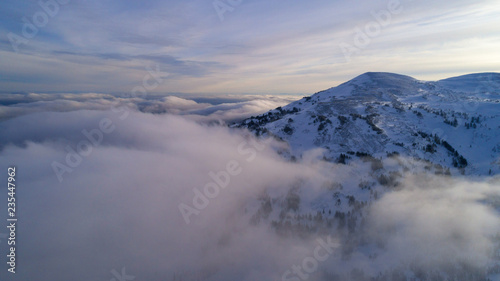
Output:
[[487, 82], [373, 84], [451, 123], [384, 80], [382, 76]]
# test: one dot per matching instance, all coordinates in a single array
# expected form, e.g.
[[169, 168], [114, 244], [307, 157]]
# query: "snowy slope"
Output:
[[379, 128], [453, 122]]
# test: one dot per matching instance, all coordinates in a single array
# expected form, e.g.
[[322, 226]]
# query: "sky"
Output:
[[238, 46]]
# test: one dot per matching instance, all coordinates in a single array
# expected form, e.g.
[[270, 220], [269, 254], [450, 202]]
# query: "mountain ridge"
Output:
[[452, 122]]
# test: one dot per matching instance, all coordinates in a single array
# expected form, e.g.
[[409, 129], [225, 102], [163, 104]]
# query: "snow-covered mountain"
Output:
[[379, 139], [452, 123]]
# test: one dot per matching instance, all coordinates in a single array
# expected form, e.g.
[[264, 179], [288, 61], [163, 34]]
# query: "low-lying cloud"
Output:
[[223, 109], [435, 221], [118, 208]]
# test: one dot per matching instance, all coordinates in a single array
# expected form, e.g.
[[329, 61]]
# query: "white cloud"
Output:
[[437, 221], [236, 108], [119, 207]]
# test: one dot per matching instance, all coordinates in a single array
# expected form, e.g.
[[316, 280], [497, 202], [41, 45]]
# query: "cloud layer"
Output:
[[118, 206], [224, 108]]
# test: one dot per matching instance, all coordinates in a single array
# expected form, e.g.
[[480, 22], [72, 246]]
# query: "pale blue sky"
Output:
[[258, 47]]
